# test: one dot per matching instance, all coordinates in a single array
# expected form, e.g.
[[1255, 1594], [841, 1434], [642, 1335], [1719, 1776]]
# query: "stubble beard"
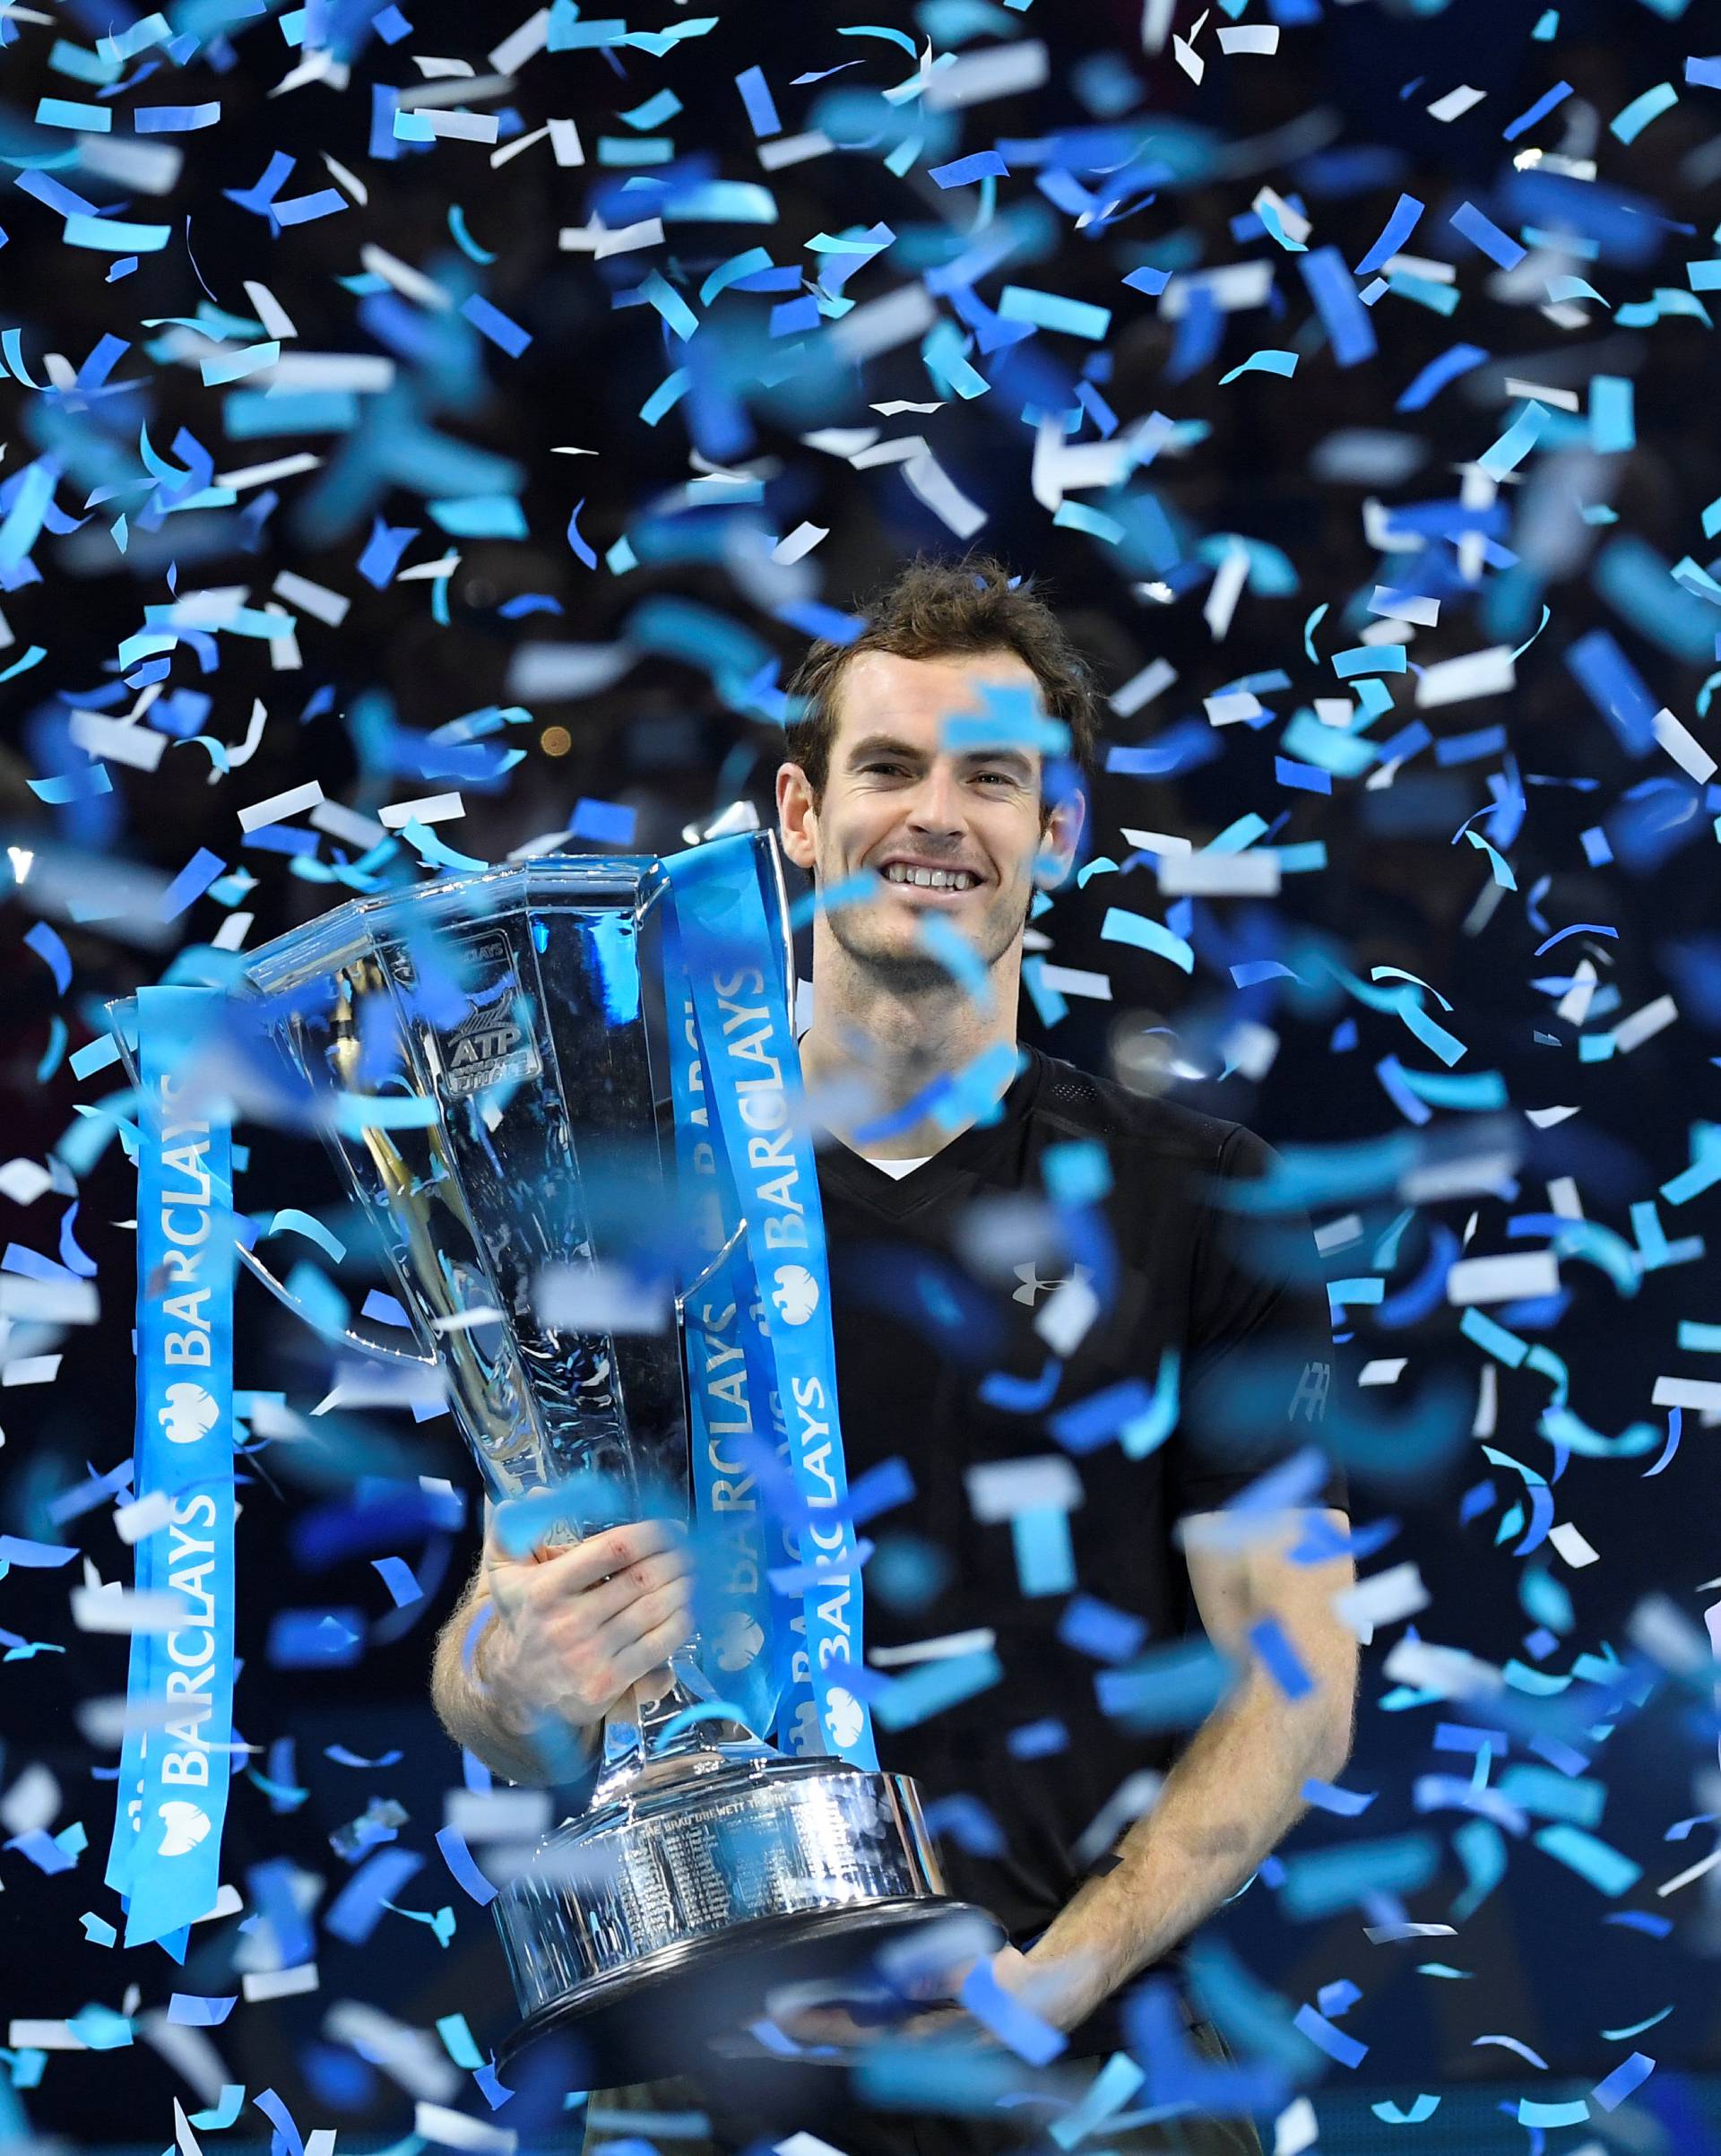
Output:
[[912, 972]]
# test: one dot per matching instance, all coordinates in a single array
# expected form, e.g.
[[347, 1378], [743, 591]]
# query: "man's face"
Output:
[[953, 832]]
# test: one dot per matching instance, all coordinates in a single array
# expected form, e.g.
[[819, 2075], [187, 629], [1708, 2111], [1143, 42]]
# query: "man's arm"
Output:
[[465, 1699], [545, 1640], [1235, 1790]]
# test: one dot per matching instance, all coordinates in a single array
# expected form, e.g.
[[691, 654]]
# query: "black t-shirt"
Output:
[[937, 1280]]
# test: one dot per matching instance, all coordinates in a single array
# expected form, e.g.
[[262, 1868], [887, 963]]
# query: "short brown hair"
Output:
[[936, 610]]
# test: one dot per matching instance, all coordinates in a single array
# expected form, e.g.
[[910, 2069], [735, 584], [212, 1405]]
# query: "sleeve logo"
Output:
[[1311, 1394]]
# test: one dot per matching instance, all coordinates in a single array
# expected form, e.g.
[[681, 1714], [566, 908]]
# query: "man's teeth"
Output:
[[931, 880]]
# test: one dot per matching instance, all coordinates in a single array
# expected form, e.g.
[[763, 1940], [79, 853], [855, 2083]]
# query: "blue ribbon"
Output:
[[729, 1380], [175, 1763], [750, 1077]]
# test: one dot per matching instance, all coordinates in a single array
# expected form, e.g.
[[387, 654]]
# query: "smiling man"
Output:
[[1035, 1274], [961, 836]]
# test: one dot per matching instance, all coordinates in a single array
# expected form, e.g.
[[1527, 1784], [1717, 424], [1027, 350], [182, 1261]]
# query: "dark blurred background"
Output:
[[670, 707]]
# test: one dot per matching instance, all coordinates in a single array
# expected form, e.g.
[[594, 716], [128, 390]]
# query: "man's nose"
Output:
[[936, 802]]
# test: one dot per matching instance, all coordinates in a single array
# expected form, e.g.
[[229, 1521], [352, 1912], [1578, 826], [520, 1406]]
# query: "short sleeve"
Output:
[[1259, 1365]]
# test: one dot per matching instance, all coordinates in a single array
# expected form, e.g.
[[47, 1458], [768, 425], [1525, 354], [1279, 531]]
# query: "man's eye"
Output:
[[998, 778], [892, 769]]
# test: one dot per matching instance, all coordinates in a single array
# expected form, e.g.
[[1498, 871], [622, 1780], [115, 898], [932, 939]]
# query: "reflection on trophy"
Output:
[[489, 1056]]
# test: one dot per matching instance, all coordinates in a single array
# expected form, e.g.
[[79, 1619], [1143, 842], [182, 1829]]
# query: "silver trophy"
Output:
[[501, 1120]]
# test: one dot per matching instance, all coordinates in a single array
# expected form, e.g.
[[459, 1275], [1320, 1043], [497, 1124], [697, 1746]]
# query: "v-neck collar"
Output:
[[858, 1178]]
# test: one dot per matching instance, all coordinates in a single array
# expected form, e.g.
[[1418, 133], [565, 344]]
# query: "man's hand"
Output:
[[577, 1625], [1042, 1989]]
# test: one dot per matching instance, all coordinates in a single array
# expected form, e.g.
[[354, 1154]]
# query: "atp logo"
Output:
[[795, 1295], [184, 1825], [1311, 1394], [1033, 1287], [190, 1413]]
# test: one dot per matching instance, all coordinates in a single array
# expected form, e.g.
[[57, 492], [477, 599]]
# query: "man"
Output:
[[972, 1310]]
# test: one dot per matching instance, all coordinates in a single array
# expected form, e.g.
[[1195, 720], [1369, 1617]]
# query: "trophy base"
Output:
[[682, 2014], [649, 1929]]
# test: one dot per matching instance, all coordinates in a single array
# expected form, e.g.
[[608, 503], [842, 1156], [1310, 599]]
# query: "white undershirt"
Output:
[[898, 1168]]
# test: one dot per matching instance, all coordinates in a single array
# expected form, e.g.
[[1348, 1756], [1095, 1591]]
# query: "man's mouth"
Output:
[[911, 876]]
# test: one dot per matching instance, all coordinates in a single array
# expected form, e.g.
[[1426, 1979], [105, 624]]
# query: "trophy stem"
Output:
[[643, 1748]]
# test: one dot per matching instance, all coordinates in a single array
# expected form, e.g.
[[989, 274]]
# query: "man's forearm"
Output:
[[1232, 1795], [473, 1716]]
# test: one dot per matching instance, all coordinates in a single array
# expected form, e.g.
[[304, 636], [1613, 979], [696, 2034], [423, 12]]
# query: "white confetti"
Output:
[[28, 1302], [347, 825], [566, 149], [365, 374], [1140, 689], [455, 2130], [279, 1982], [1253, 873], [1231, 707], [521, 45], [261, 475], [31, 1802], [118, 1609], [1000, 71], [1063, 1320], [880, 325], [1382, 1599], [1295, 2128], [1228, 583], [31, 1370], [139, 747], [411, 283], [1456, 103], [44, 2036], [145, 1516], [1450, 1672], [935, 487], [409, 2056], [351, 181], [274, 316], [1683, 746], [497, 1814], [146, 168], [501, 155], [799, 543], [1234, 288], [1701, 1395], [1572, 1546], [24, 1181], [428, 809], [1483, 673], [455, 127], [1002, 1489], [1404, 606], [1644, 1024], [1076, 981], [1503, 1279], [794, 149], [945, 1649], [314, 599]]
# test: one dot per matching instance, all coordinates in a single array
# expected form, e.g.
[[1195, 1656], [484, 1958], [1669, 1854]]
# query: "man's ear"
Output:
[[797, 817], [1061, 836]]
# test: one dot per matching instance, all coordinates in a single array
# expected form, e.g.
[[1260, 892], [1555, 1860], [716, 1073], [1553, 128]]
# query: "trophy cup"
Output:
[[484, 1051]]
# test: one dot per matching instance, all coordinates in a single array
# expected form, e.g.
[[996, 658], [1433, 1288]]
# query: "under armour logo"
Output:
[[1032, 1286], [1312, 1387]]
